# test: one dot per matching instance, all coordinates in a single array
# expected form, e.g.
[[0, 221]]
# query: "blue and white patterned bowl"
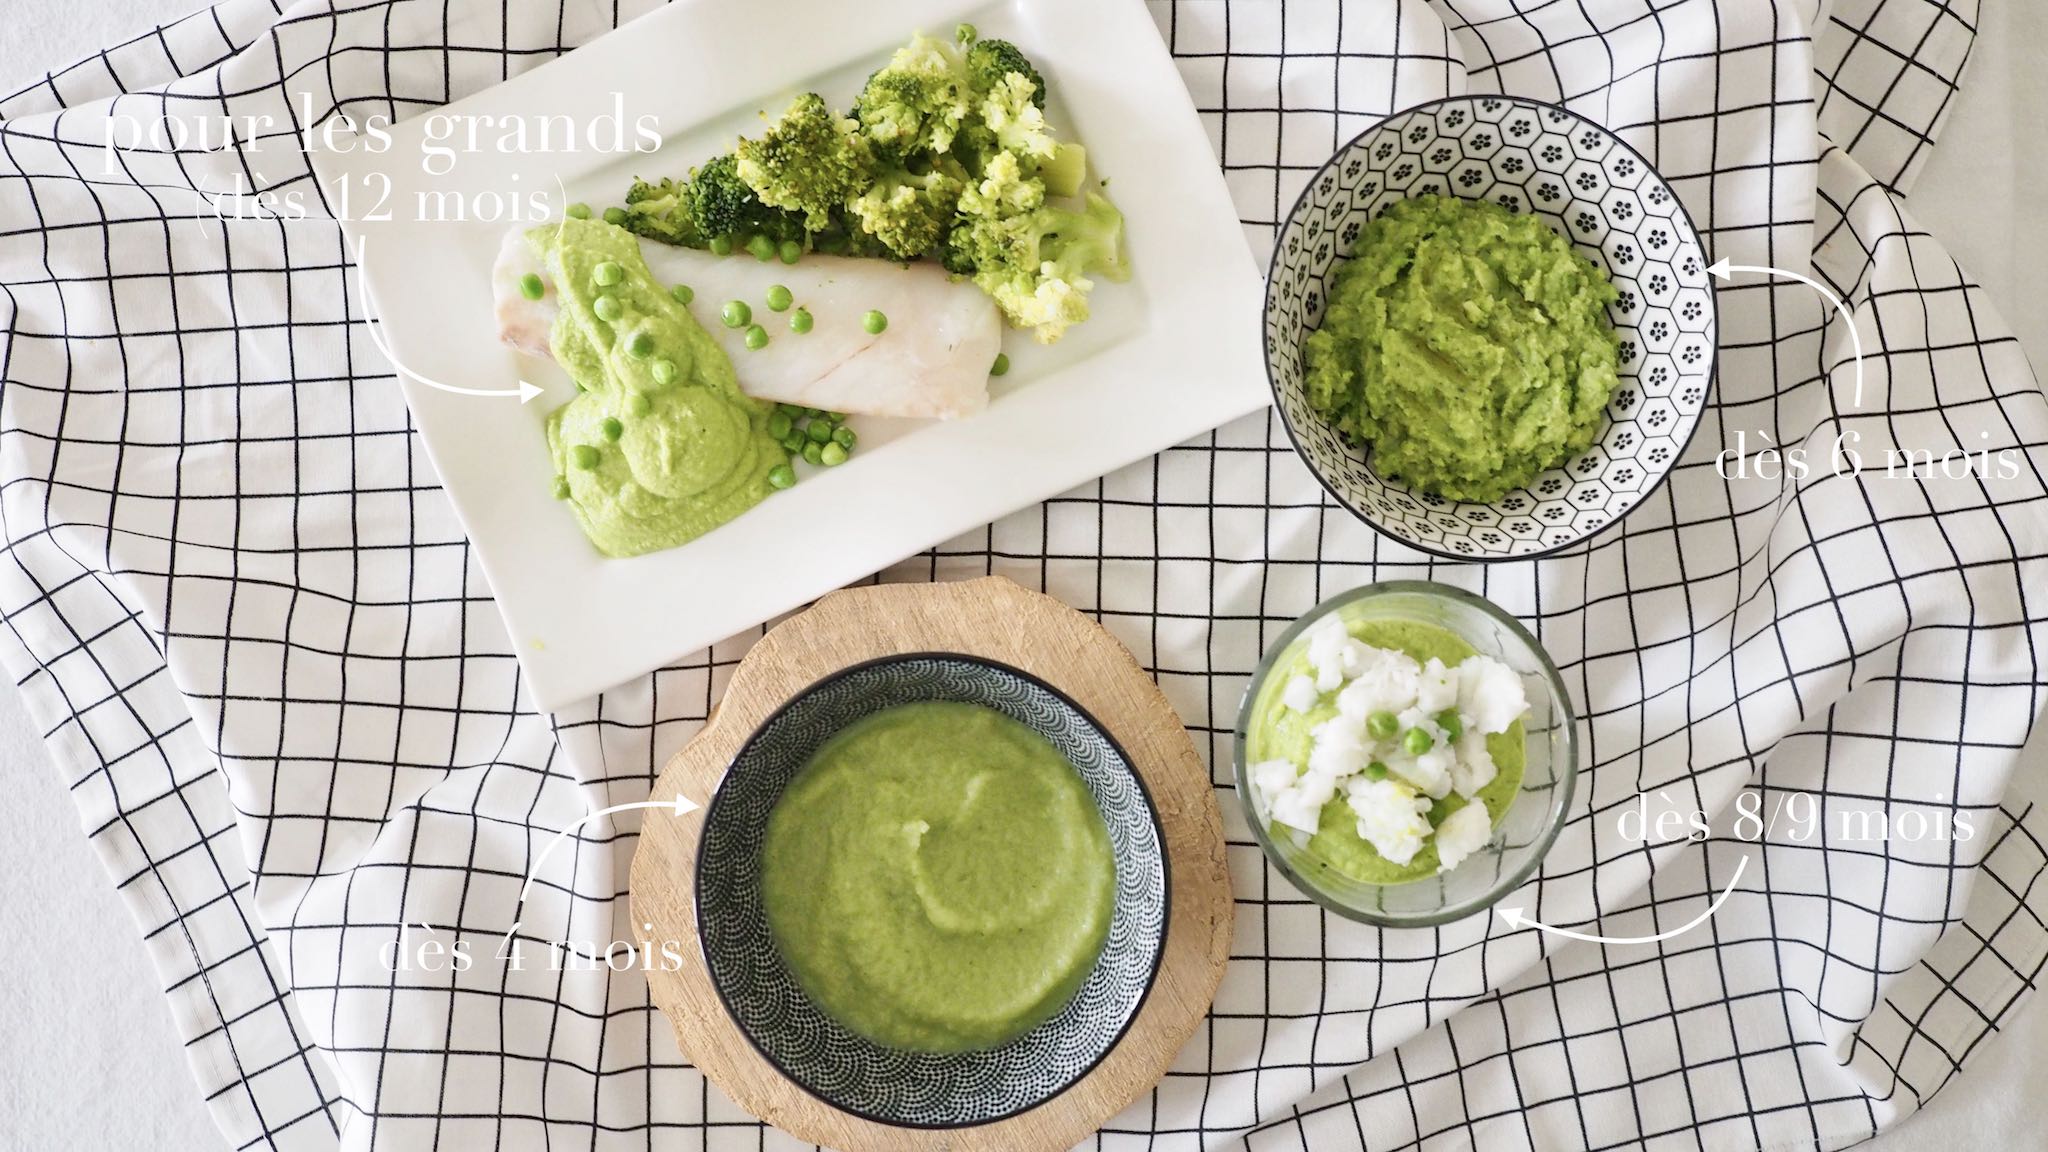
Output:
[[1597, 192], [847, 1071]]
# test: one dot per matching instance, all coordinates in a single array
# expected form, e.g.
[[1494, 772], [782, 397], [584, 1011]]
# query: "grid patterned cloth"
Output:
[[272, 676]]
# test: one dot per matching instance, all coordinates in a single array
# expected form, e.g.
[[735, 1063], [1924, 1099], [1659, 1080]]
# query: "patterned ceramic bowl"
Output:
[[1596, 191], [915, 1089]]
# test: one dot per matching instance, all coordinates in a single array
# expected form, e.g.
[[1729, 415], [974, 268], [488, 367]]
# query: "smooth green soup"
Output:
[[937, 878]]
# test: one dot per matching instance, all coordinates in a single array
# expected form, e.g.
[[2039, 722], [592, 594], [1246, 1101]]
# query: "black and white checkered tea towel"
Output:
[[273, 678]]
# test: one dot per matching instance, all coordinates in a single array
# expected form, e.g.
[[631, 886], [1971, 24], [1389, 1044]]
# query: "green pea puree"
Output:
[[938, 878]]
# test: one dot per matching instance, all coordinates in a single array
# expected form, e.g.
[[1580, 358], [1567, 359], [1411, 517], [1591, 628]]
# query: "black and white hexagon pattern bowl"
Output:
[[1596, 191], [913, 1089]]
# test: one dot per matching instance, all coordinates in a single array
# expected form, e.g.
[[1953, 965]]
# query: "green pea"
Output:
[[814, 413], [736, 314], [757, 337], [583, 456], [607, 273], [1382, 725], [832, 455], [800, 321], [845, 438], [611, 428], [762, 247], [790, 251], [814, 453], [793, 411], [1448, 721], [779, 424], [721, 245], [530, 286], [818, 431], [578, 210], [781, 476], [561, 487], [664, 371], [683, 293], [1417, 741], [874, 322], [836, 417], [615, 215], [794, 442], [637, 403], [1002, 365], [608, 308], [1376, 771], [641, 345], [778, 298]]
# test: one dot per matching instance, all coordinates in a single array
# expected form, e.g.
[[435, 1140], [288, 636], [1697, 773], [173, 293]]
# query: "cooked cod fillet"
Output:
[[932, 361]]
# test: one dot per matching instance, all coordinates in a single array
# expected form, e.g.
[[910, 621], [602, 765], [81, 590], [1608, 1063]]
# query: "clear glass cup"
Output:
[[1525, 831]]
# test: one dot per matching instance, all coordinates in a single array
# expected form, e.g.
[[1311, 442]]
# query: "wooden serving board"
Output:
[[993, 618]]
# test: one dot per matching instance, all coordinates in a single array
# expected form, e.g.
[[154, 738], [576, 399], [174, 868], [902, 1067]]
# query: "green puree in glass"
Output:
[[938, 878], [660, 445], [1280, 733]]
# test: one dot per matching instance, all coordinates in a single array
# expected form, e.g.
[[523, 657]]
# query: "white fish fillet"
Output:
[[931, 362]]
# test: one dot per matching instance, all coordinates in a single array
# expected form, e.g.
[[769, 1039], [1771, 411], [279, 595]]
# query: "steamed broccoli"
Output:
[[811, 161], [910, 215], [916, 103], [1016, 123], [946, 154], [662, 212], [1033, 258], [713, 202], [1005, 98], [720, 203], [991, 62]]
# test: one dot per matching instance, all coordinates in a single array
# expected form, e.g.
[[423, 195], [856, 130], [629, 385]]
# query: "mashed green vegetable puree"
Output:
[[937, 878], [1467, 345], [1280, 733], [659, 446]]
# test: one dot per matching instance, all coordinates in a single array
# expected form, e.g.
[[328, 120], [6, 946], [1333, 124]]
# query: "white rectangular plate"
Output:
[[1171, 354]]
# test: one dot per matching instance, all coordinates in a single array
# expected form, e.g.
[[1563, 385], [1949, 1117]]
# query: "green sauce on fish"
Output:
[[660, 445]]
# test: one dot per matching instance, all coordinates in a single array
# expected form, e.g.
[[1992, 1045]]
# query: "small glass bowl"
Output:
[[1531, 823]]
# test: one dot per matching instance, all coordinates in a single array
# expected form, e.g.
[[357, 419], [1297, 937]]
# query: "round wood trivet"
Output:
[[994, 618]]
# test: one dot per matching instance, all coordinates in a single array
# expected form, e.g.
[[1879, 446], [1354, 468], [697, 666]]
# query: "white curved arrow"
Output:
[[679, 805], [525, 391], [1721, 269], [1515, 919]]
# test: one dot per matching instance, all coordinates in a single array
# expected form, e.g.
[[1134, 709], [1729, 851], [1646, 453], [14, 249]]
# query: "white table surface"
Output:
[[88, 1058]]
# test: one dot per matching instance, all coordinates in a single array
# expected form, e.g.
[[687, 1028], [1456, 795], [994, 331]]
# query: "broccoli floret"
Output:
[[661, 211], [715, 202], [947, 155], [810, 161], [1034, 259], [916, 103], [1017, 124], [1066, 169], [1088, 242], [910, 215], [720, 202], [991, 62]]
